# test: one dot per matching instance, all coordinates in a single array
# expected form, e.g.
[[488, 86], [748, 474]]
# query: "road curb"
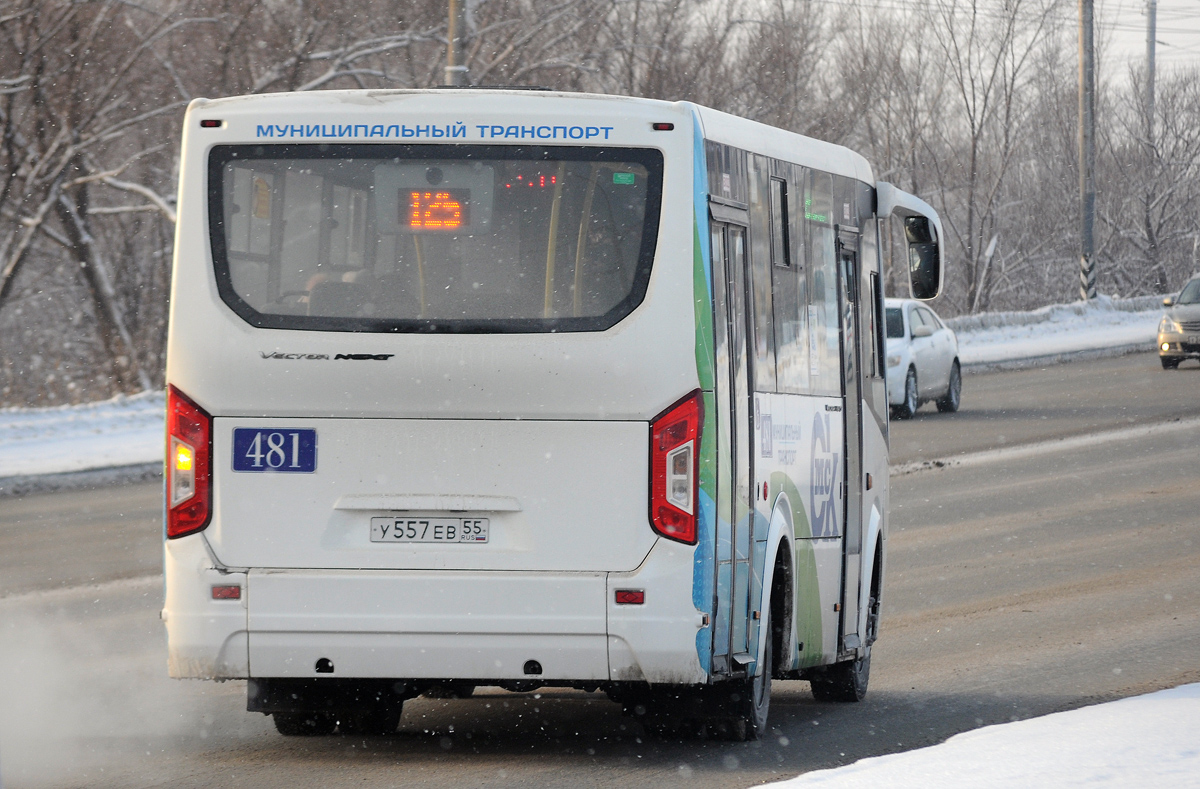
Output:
[[80, 480], [1057, 358]]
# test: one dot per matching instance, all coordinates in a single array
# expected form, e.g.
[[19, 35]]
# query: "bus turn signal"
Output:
[[189, 465]]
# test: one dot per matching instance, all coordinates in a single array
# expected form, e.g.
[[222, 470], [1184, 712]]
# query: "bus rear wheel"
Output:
[[733, 710], [844, 681], [752, 701]]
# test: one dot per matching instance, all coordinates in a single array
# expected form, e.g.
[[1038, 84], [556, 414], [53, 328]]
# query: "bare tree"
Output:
[[1153, 211], [987, 52], [91, 93], [74, 104]]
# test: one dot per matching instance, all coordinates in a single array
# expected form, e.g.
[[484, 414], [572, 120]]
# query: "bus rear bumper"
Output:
[[655, 641], [427, 625], [206, 630], [484, 626]]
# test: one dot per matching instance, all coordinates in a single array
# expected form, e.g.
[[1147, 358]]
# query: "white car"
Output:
[[922, 359]]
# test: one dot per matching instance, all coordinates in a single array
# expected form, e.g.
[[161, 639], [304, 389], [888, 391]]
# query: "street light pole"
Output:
[[1151, 34], [456, 69], [1151, 150], [1087, 152]]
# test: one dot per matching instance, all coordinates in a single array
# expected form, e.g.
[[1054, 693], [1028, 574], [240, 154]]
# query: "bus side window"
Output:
[[789, 295], [760, 274], [875, 312], [824, 321], [871, 310], [780, 248]]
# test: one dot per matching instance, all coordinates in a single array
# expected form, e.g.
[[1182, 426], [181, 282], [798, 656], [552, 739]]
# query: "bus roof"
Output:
[[778, 143]]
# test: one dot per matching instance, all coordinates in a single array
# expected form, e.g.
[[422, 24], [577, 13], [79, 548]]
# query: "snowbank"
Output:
[[1151, 740], [1058, 333], [119, 432]]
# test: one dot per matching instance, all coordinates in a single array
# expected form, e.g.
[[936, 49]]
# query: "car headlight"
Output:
[[1168, 326], [893, 359]]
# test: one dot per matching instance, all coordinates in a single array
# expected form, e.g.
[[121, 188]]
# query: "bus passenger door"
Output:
[[734, 434], [848, 300]]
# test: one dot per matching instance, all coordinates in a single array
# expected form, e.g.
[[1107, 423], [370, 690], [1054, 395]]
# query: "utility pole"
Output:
[[1151, 149], [1151, 33], [1087, 152], [456, 69]]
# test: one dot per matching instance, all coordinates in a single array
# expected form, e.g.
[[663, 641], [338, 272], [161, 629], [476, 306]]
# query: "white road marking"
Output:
[[1043, 447]]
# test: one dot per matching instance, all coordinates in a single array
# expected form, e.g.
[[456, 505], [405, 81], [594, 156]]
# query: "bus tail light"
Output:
[[189, 465], [674, 468]]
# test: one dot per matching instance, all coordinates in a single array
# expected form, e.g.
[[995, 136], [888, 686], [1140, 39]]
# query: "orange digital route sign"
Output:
[[435, 209]]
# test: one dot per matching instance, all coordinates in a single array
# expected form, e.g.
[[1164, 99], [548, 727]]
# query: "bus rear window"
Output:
[[433, 238]]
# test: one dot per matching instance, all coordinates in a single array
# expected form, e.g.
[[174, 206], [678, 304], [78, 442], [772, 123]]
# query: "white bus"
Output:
[[524, 389]]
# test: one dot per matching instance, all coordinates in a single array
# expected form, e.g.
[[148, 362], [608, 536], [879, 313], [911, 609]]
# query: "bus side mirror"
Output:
[[923, 234], [924, 257]]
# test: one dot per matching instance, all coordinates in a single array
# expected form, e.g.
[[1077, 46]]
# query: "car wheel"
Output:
[[908, 408], [1170, 362], [304, 724], [948, 403]]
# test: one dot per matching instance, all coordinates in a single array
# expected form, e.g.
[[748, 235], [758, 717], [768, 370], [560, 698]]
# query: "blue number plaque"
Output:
[[291, 450]]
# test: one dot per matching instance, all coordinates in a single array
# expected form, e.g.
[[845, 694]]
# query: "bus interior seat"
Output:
[[394, 297], [337, 299]]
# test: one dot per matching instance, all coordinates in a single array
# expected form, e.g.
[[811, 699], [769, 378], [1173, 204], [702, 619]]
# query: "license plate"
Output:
[[393, 529]]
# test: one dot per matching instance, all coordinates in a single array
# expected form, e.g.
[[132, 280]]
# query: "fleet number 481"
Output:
[[256, 449]]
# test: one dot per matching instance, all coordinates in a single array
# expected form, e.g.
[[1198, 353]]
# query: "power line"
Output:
[[927, 5]]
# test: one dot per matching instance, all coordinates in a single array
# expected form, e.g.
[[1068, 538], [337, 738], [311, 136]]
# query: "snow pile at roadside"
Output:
[[1058, 331], [1151, 740], [119, 432]]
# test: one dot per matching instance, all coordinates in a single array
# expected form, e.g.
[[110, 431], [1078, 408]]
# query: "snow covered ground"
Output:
[[119, 432], [1060, 331], [1151, 740], [129, 430]]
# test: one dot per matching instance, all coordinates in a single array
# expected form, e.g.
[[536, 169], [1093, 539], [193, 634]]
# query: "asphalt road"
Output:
[[1005, 409], [1020, 583]]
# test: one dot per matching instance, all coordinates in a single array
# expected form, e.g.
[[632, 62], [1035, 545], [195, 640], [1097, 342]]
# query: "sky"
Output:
[[1122, 24]]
